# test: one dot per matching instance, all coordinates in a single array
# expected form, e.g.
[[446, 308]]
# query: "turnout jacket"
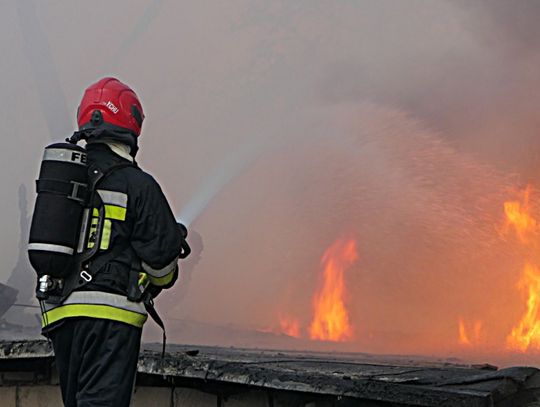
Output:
[[139, 230]]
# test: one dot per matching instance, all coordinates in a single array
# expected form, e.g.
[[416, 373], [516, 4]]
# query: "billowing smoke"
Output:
[[424, 216], [276, 127]]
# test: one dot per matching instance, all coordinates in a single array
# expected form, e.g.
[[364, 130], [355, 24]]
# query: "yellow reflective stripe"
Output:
[[143, 278], [112, 212], [160, 281], [115, 212], [93, 311], [106, 235]]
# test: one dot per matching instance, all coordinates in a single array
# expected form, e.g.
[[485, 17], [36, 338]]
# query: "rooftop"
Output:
[[384, 380]]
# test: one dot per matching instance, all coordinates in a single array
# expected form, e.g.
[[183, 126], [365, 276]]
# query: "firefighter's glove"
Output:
[[183, 230], [185, 249]]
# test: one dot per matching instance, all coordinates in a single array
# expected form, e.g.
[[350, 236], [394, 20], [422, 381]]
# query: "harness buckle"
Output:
[[78, 189], [86, 276]]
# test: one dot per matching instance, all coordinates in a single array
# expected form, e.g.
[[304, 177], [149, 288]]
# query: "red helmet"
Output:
[[110, 103]]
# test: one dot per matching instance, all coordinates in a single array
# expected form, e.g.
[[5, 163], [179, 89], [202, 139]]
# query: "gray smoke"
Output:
[[45, 76], [245, 106], [143, 23], [424, 216]]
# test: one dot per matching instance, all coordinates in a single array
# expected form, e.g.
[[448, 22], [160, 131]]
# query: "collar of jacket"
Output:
[[120, 149], [102, 156]]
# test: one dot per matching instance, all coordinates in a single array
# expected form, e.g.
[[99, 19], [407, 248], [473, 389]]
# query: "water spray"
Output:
[[231, 166]]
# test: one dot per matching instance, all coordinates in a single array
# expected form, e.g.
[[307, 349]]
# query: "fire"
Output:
[[472, 337], [517, 215], [331, 319], [527, 333], [289, 327]]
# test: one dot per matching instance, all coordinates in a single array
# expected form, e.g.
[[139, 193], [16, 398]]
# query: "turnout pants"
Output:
[[96, 361]]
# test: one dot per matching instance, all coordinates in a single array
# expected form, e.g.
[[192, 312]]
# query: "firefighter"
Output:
[[96, 330]]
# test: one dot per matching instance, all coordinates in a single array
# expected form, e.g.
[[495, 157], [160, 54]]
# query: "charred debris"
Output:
[[214, 376]]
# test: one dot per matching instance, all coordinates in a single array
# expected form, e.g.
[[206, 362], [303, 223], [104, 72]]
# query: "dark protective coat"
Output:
[[96, 331], [141, 224]]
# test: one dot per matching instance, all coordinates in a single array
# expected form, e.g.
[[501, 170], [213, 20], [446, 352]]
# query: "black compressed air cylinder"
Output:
[[56, 221]]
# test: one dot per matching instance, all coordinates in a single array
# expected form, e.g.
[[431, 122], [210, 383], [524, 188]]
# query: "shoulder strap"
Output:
[[87, 268]]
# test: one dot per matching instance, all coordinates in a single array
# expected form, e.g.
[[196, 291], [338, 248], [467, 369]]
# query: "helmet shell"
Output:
[[110, 103]]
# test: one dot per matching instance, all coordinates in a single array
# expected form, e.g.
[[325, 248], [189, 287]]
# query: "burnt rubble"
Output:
[[337, 379]]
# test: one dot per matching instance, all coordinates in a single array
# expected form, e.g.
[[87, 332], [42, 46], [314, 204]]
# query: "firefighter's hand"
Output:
[[185, 249], [183, 230]]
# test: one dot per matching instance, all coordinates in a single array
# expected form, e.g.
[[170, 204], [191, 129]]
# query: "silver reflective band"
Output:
[[113, 197], [64, 154], [161, 272], [99, 298], [48, 247]]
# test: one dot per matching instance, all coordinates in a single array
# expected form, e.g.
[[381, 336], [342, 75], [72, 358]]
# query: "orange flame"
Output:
[[517, 215], [527, 333], [331, 319], [289, 327], [472, 338]]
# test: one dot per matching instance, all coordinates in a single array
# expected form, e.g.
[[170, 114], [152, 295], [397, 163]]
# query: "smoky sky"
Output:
[[510, 25], [470, 73], [252, 111]]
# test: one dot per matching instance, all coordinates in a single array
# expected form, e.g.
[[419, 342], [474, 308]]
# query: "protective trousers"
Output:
[[96, 361]]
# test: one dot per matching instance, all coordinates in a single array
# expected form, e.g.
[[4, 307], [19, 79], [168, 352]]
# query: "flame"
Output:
[[472, 338], [527, 333], [289, 326], [463, 338], [331, 319], [518, 217]]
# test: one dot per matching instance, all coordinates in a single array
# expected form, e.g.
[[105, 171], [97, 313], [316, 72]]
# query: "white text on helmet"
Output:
[[112, 107]]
